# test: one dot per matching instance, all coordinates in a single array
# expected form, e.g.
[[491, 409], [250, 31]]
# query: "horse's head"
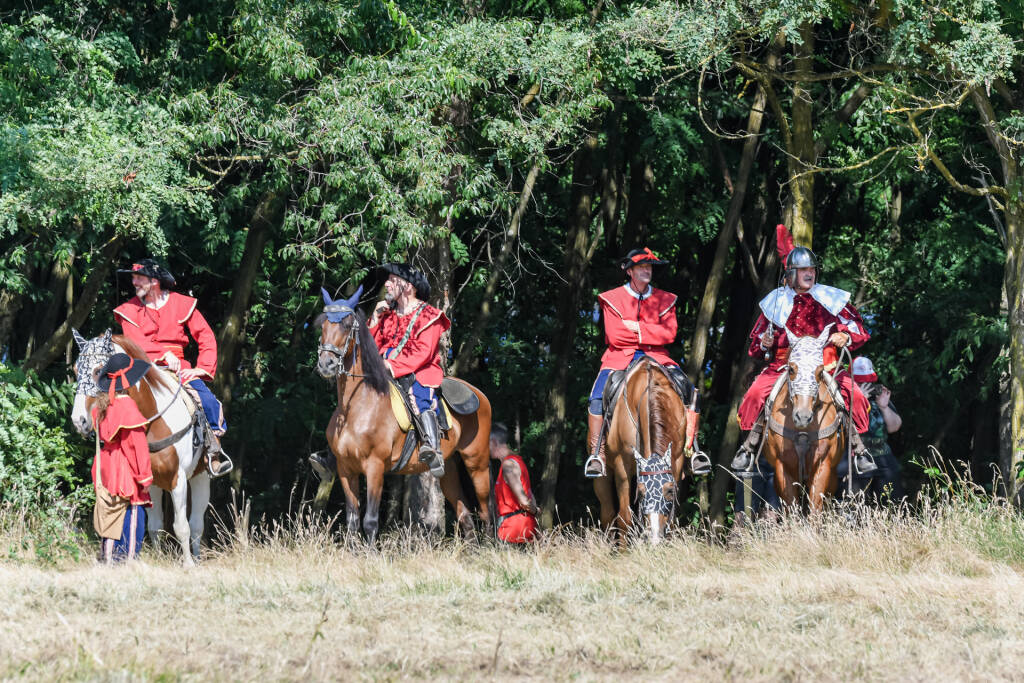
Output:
[[337, 334], [656, 487], [92, 356], [806, 360]]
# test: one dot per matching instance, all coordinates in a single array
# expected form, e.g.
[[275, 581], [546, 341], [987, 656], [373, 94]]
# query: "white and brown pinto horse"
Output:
[[176, 464], [804, 438]]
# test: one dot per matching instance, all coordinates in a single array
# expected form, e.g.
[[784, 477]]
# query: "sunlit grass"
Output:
[[929, 592]]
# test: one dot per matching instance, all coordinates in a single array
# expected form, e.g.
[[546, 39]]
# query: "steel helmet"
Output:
[[801, 257]]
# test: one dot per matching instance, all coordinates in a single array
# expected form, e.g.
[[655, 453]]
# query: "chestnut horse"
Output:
[[364, 434], [805, 437], [645, 442], [176, 464]]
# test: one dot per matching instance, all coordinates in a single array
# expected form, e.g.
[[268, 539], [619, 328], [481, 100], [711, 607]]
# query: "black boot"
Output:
[[430, 446], [863, 461], [744, 460]]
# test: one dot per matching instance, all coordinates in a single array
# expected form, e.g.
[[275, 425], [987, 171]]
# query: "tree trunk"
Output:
[[424, 502], [1013, 283], [578, 250], [800, 212], [497, 271], [699, 343], [55, 345], [232, 333]]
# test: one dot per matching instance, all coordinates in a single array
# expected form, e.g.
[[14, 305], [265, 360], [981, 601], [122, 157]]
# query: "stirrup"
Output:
[[320, 465], [748, 472], [602, 472], [700, 463], [433, 460], [873, 466], [226, 465]]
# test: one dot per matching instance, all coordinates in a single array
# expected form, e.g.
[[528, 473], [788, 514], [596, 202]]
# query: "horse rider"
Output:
[[156, 319], [805, 308], [513, 497], [639, 320], [408, 334]]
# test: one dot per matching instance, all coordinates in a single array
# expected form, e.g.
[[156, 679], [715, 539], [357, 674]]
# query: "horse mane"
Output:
[[376, 373], [154, 374], [659, 412]]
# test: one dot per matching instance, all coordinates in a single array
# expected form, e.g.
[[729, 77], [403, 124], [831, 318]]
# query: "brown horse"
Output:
[[177, 466], [805, 436], [365, 436], [645, 442]]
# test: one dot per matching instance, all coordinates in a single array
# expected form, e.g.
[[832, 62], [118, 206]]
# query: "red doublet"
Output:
[[127, 470], [420, 354], [807, 317], [159, 330], [655, 312], [518, 528]]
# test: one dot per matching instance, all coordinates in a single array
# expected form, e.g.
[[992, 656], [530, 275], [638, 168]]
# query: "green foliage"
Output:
[[40, 461]]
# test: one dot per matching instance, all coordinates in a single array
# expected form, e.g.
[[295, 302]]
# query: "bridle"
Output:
[[351, 342]]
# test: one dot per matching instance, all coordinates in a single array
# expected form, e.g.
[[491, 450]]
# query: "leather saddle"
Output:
[[454, 396]]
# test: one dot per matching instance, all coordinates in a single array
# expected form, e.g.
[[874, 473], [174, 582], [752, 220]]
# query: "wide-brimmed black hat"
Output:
[[127, 372], [639, 256], [147, 267], [410, 275]]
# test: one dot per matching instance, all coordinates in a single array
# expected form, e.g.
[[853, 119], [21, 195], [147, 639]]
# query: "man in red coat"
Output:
[[805, 308], [156, 319], [638, 320], [408, 334]]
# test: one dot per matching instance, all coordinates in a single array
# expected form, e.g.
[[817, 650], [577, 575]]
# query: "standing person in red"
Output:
[[408, 334], [638, 320], [513, 496], [805, 308], [123, 460], [156, 319]]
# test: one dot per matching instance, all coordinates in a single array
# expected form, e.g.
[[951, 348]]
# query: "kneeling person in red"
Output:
[[517, 509], [122, 471]]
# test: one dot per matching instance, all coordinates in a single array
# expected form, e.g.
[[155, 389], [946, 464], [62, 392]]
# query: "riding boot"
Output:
[[217, 461], [595, 463], [863, 461], [744, 460], [430, 446]]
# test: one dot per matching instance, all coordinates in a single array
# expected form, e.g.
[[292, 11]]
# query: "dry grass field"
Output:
[[933, 596]]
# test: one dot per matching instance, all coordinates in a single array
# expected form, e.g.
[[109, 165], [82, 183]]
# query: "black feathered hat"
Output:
[[410, 275], [638, 256], [147, 267]]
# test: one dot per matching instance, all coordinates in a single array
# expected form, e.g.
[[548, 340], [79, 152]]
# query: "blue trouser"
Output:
[[423, 398], [132, 533], [420, 397], [211, 406], [597, 391]]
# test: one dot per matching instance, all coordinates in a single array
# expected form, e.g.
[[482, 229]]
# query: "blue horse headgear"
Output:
[[338, 310]]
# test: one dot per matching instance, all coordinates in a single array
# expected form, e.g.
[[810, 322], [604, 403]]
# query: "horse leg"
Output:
[[624, 519], [374, 491], [179, 499], [606, 498], [350, 487], [200, 484], [823, 481], [785, 484], [453, 493], [155, 515]]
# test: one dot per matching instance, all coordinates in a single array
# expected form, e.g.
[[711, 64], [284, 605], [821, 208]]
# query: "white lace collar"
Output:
[[779, 303]]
